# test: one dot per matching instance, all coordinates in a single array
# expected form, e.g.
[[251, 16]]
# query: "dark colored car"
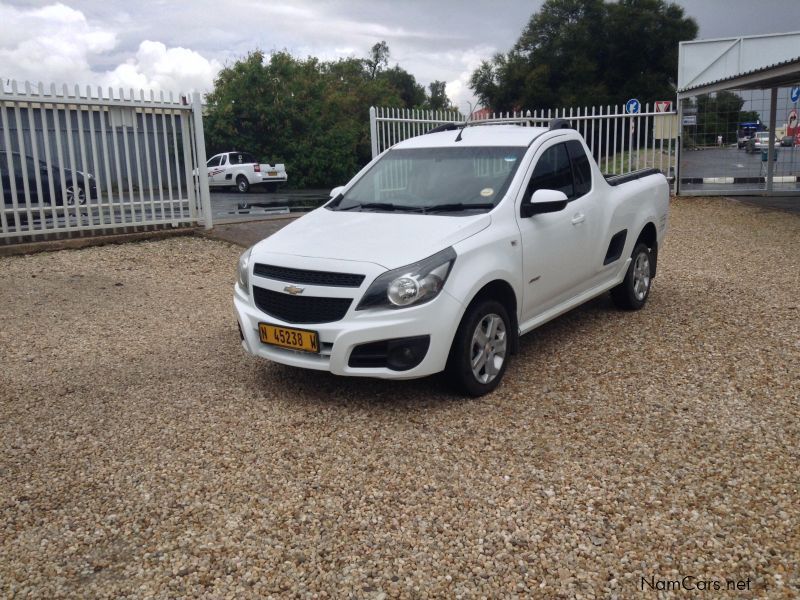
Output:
[[76, 191], [787, 140]]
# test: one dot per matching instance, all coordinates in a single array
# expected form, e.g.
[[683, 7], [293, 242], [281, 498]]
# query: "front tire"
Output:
[[242, 185], [634, 290], [481, 349]]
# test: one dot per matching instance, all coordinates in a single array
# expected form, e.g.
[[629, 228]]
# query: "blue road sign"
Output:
[[796, 93], [632, 106]]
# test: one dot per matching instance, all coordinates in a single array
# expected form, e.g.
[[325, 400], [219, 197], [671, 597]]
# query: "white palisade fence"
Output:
[[620, 142], [85, 160]]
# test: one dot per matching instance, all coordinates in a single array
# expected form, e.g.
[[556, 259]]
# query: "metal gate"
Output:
[[740, 142], [92, 162], [619, 141]]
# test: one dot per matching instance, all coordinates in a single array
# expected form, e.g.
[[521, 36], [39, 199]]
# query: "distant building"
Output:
[[480, 114]]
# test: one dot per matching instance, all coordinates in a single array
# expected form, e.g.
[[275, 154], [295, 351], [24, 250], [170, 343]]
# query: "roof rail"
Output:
[[560, 124], [529, 121], [443, 127]]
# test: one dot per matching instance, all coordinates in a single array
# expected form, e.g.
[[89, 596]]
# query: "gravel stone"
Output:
[[143, 454]]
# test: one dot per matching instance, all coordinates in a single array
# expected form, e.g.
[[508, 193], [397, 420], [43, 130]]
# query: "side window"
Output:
[[17, 165], [223, 160], [214, 162], [581, 169], [552, 172]]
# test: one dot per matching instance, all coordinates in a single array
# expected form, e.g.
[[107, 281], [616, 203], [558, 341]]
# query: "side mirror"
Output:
[[336, 191], [543, 201]]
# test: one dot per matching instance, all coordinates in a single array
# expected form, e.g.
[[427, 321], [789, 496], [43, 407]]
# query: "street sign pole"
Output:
[[678, 144], [632, 107], [771, 149]]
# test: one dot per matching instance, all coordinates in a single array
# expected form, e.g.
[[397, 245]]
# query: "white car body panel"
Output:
[[226, 172], [552, 262], [416, 238]]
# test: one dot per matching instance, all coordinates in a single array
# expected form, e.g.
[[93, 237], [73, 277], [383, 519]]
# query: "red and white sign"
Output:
[[791, 124], [663, 106]]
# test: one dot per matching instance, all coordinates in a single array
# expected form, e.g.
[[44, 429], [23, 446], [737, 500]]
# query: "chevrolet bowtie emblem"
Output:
[[293, 290]]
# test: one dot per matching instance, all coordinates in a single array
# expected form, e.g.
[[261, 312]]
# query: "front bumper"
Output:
[[438, 318]]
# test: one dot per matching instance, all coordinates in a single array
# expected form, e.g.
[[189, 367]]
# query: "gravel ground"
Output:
[[143, 454]]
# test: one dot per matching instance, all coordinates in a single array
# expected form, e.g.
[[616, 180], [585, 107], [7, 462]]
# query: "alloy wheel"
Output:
[[488, 348], [73, 193], [641, 276]]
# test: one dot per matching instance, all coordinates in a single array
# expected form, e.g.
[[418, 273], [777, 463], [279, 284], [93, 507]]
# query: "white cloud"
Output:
[[49, 43], [454, 66], [160, 68], [458, 89], [58, 44], [120, 44]]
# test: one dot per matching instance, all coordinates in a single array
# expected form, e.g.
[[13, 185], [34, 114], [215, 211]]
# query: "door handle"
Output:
[[578, 218]]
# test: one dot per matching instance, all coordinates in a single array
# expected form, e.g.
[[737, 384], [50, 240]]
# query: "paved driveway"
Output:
[[234, 207], [731, 162]]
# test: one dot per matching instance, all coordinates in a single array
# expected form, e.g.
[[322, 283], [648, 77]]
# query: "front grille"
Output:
[[324, 278], [300, 309]]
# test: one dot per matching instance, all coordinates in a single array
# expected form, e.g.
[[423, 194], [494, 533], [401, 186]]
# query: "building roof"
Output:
[[757, 61]]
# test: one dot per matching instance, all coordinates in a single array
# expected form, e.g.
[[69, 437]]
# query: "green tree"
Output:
[[405, 84], [437, 98], [587, 52], [720, 114], [311, 115], [378, 59]]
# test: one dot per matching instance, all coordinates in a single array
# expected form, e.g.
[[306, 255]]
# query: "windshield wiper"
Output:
[[457, 206], [387, 206]]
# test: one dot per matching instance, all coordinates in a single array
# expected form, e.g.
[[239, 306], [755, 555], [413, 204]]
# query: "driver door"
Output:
[[214, 169], [555, 246]]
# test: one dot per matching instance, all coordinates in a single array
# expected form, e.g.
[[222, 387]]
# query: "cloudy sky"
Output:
[[179, 46]]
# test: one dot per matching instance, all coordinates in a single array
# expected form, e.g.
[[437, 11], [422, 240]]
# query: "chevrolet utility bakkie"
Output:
[[445, 249]]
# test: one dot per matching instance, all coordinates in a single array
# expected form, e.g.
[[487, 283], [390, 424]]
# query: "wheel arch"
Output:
[[649, 236], [503, 292]]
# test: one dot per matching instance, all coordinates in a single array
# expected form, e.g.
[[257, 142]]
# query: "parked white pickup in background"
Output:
[[241, 170]]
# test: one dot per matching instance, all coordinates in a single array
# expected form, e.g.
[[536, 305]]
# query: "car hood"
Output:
[[389, 240]]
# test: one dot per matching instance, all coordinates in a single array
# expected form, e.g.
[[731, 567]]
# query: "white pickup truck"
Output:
[[242, 171], [445, 249]]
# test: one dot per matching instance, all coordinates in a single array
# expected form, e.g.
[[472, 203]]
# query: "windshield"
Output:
[[435, 180]]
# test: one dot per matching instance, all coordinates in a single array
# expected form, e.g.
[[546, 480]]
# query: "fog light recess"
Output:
[[400, 354]]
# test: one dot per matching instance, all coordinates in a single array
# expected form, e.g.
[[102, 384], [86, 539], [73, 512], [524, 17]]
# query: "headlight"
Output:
[[410, 285], [244, 271]]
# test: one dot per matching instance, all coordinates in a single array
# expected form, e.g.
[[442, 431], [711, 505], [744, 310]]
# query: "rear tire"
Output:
[[634, 290], [75, 195], [242, 185], [481, 349]]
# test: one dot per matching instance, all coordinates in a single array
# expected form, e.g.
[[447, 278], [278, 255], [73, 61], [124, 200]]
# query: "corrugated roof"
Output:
[[745, 61], [792, 79]]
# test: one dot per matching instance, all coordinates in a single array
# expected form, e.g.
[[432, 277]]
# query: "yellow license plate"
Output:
[[272, 173], [286, 337]]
